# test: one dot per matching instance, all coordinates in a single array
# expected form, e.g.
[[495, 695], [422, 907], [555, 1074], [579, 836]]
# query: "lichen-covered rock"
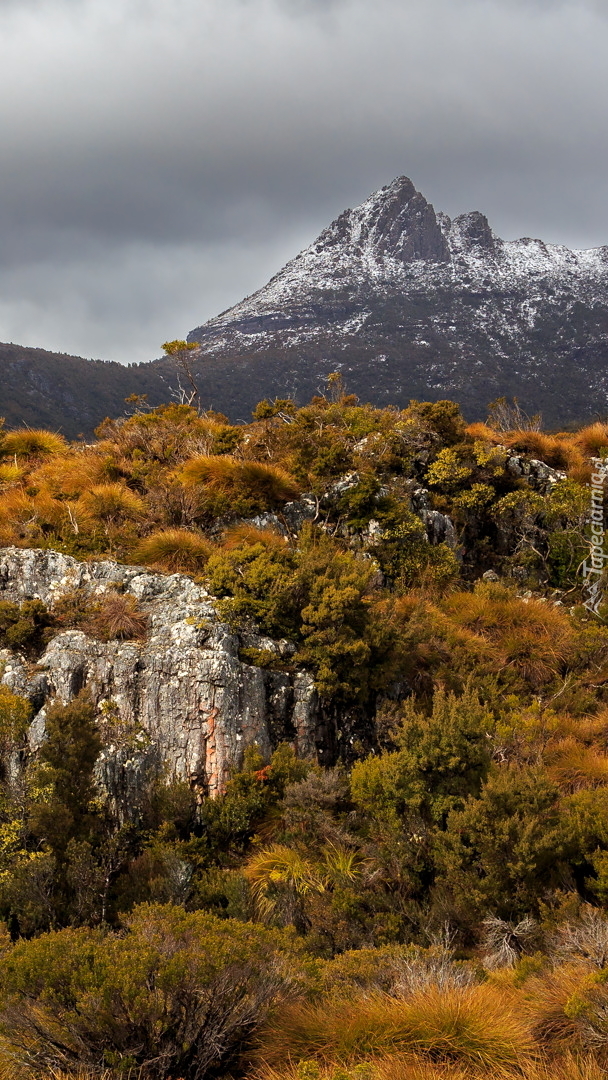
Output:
[[541, 477], [439, 528], [184, 687]]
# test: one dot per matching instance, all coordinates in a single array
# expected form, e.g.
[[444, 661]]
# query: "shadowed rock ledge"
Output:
[[188, 701]]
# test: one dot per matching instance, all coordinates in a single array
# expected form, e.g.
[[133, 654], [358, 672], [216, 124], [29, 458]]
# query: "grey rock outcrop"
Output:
[[541, 477], [183, 692]]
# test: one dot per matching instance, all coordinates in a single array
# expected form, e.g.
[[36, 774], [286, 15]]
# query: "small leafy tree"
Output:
[[180, 351], [68, 755], [442, 759], [503, 849]]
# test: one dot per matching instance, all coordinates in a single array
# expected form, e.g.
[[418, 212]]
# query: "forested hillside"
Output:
[[68, 393], [425, 898]]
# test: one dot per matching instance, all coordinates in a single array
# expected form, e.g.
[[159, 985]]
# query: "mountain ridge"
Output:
[[451, 308], [404, 301]]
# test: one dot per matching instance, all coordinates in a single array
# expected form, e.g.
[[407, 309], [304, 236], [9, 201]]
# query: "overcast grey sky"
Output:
[[160, 160]]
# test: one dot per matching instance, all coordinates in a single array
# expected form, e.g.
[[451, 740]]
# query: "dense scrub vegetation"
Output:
[[433, 904]]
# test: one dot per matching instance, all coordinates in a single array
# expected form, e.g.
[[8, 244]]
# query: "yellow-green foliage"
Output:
[[442, 759], [15, 715], [10, 474], [447, 471]]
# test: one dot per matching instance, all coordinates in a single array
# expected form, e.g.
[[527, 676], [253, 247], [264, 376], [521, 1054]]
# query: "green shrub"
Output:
[[68, 756], [314, 595], [177, 994], [15, 715], [443, 758], [23, 626], [505, 848]]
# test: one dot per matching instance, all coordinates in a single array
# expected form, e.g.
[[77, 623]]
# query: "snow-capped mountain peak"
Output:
[[444, 306]]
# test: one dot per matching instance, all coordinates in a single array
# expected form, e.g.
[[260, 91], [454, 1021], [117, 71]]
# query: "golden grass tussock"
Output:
[[248, 535], [70, 474], [592, 730], [397, 1067], [389, 1068], [10, 475], [476, 1026], [592, 439], [559, 1006], [573, 766], [482, 433], [533, 637], [253, 478], [174, 550], [581, 473], [568, 1068], [561, 451], [548, 448], [32, 442], [30, 517], [111, 503]]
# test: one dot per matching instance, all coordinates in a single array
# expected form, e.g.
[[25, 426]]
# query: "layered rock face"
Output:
[[187, 700]]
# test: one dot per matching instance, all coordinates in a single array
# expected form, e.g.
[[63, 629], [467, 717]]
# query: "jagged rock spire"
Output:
[[395, 222]]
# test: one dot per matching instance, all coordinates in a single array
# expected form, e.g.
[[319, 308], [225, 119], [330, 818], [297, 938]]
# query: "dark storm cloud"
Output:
[[160, 161]]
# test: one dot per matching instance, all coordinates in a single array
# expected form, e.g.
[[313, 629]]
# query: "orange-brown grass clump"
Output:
[[32, 442], [482, 433], [476, 1027], [71, 473], [110, 504], [119, 616], [573, 766], [249, 478], [29, 518], [531, 636], [568, 1068], [547, 448], [568, 1007], [397, 1067], [248, 535], [592, 439], [174, 550]]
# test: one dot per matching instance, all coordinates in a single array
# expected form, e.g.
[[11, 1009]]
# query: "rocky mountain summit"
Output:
[[409, 303], [405, 302]]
